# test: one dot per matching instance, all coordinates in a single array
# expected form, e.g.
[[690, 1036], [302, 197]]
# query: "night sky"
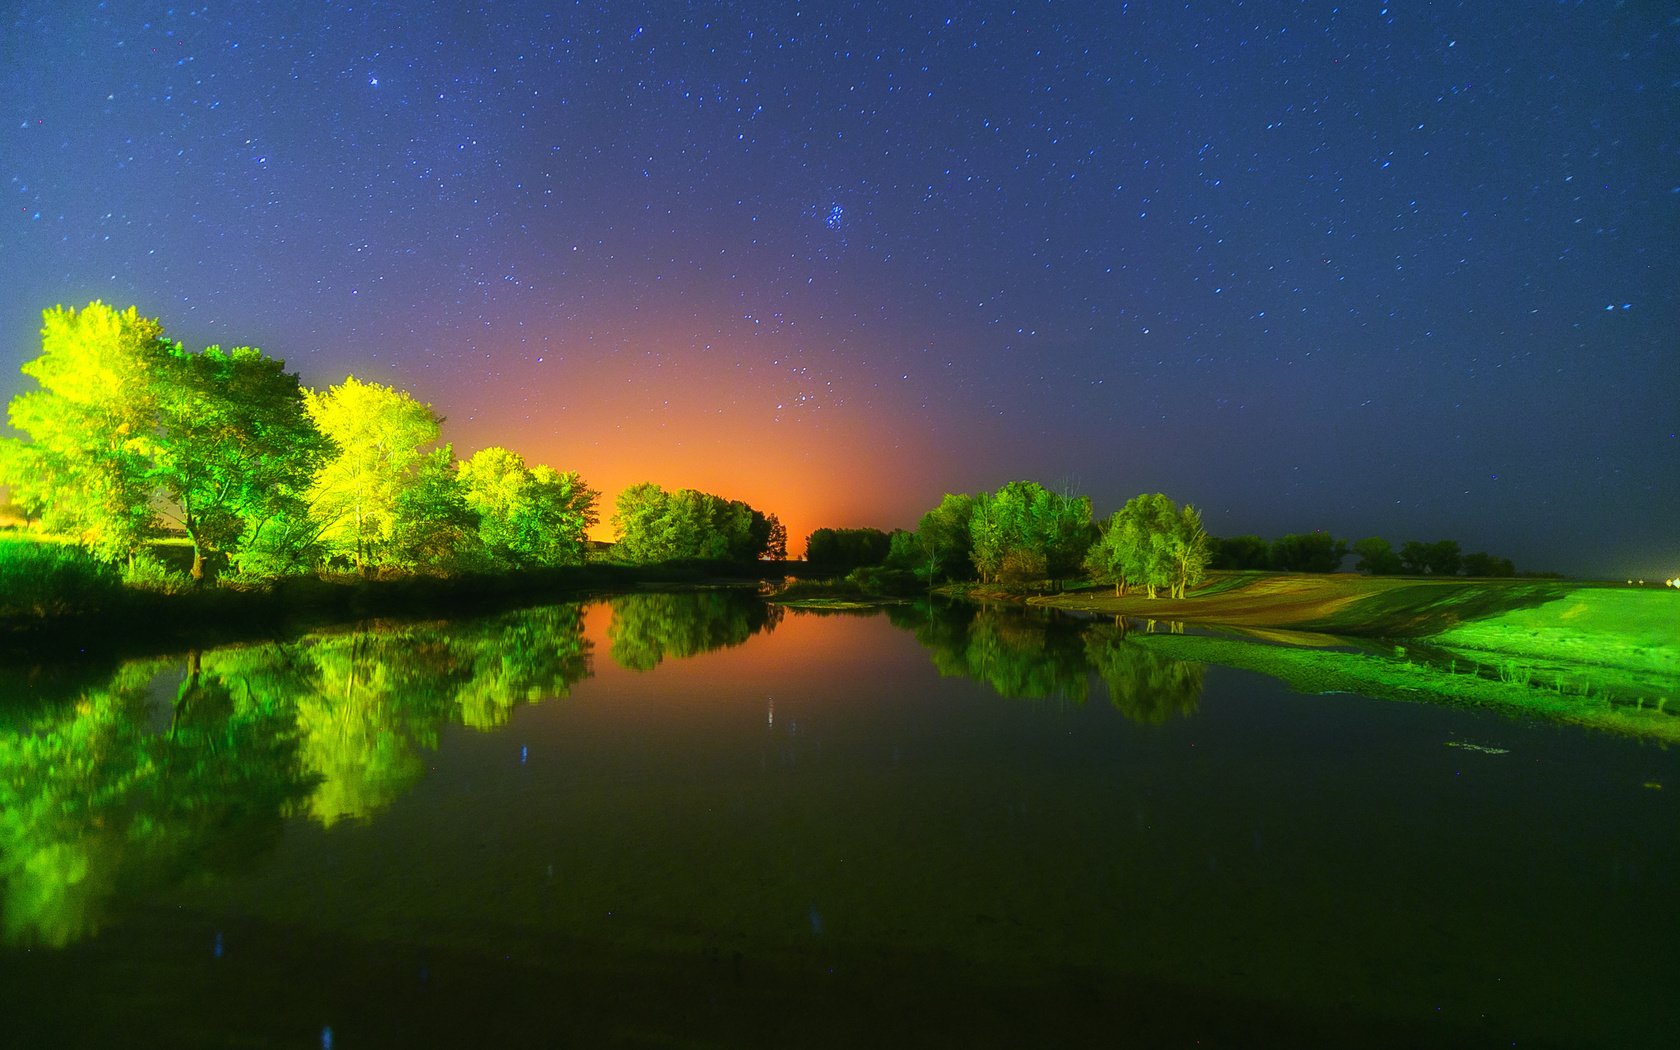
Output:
[[1409, 270]]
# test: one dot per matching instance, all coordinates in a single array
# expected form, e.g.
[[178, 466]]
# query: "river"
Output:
[[696, 819]]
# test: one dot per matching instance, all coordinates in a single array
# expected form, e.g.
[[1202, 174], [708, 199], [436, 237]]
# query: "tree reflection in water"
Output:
[[648, 628], [99, 790], [1029, 654], [115, 785]]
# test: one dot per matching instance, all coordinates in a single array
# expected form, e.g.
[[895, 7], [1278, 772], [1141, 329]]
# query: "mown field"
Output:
[[1603, 656]]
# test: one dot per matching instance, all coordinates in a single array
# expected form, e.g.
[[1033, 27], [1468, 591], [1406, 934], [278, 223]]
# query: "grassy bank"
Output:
[[1331, 603], [1607, 657], [76, 611]]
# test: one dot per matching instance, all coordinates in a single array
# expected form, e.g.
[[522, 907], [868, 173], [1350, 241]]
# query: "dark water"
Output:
[[695, 820]]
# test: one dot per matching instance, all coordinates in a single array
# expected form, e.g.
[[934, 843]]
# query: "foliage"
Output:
[[379, 436], [1376, 557], [1308, 552], [232, 447], [1033, 523], [655, 525], [1152, 543], [1440, 558], [1241, 553], [945, 539], [527, 516], [145, 572], [42, 578], [85, 468], [844, 549]]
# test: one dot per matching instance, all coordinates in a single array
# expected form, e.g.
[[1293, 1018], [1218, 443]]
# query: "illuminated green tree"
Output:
[[946, 540], [85, 468], [654, 525], [1024, 524], [233, 448], [527, 515], [380, 438]]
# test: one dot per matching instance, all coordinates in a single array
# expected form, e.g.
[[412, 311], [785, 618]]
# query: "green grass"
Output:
[[1650, 710], [1628, 628], [1420, 609]]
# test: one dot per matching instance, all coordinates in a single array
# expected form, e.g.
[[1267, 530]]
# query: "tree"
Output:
[[129, 425], [1308, 552], [379, 437], [1024, 516], [1188, 551], [1440, 558], [1241, 552], [1444, 558], [844, 549], [1376, 557], [775, 547], [1136, 545], [945, 538], [232, 446], [433, 527], [654, 525], [527, 516], [85, 467], [1483, 564]]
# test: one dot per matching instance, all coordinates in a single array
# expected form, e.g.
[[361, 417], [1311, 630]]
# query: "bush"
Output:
[[40, 577], [148, 573]]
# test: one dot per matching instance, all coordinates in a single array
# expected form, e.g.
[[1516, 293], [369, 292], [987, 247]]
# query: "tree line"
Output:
[[1025, 533], [129, 434], [1321, 552]]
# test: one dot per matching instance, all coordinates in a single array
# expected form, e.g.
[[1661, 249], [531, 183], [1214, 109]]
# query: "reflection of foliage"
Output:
[[1144, 686], [647, 628], [98, 792], [521, 657], [1022, 655], [1016, 654], [89, 793]]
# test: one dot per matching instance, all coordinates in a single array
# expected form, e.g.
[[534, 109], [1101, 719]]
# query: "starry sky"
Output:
[[1406, 269]]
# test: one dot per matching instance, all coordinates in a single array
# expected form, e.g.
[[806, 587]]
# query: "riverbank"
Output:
[[124, 621], [1328, 603], [1596, 655]]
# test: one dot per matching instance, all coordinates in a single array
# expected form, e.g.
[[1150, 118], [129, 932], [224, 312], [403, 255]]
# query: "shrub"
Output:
[[148, 573], [42, 577]]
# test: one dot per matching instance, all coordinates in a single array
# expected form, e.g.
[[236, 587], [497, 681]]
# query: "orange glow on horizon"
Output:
[[713, 422]]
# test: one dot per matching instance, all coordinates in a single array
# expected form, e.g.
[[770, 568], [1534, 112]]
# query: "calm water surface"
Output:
[[694, 819]]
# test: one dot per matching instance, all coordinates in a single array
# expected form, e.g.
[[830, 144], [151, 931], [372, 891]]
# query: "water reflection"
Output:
[[1030, 654], [162, 770], [648, 628]]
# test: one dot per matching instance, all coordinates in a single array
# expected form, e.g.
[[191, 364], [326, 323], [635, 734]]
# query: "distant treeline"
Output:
[[1025, 533], [1321, 552]]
